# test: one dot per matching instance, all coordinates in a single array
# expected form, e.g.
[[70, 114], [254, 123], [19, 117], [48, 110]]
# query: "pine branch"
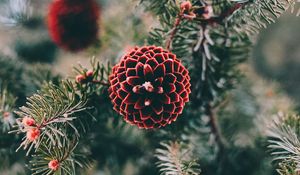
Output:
[[284, 142], [23, 80], [258, 13], [216, 62], [287, 168], [195, 43], [211, 51], [66, 158], [40, 74], [231, 17], [53, 123], [16, 12], [52, 108], [174, 159], [215, 128], [7, 104], [226, 13], [166, 10], [92, 80]]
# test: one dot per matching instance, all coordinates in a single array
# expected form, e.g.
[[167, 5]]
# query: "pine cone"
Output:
[[73, 24], [149, 87]]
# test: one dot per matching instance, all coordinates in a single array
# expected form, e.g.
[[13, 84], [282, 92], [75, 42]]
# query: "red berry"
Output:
[[149, 87], [73, 24], [53, 165]]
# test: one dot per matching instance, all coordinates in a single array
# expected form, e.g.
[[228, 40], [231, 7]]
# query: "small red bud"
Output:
[[27, 121], [6, 114], [89, 73], [208, 12], [53, 165], [33, 134], [80, 78], [187, 5]]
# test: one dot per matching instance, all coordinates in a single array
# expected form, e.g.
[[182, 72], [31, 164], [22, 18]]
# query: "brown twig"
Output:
[[212, 20], [174, 29], [215, 129], [209, 110], [223, 103], [225, 14], [100, 82]]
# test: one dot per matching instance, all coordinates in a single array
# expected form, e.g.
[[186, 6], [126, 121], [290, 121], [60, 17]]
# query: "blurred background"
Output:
[[273, 71]]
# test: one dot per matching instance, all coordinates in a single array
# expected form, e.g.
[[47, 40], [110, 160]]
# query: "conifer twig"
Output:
[[185, 6], [225, 14], [176, 158], [100, 82], [174, 30], [215, 129], [231, 10]]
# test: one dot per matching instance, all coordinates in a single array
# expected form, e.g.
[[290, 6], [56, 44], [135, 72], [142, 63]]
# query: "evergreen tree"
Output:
[[178, 103]]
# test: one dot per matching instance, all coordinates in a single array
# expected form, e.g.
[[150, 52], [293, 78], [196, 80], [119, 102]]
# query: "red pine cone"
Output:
[[73, 24], [149, 87]]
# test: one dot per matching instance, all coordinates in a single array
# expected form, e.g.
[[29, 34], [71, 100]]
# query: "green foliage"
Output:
[[111, 141], [166, 10], [217, 63], [7, 102], [53, 108], [74, 117], [16, 12], [98, 82], [12, 75], [8, 144], [284, 143], [287, 168], [39, 74], [257, 14], [61, 114], [68, 157], [246, 160], [21, 79], [174, 158], [43, 51], [211, 51]]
